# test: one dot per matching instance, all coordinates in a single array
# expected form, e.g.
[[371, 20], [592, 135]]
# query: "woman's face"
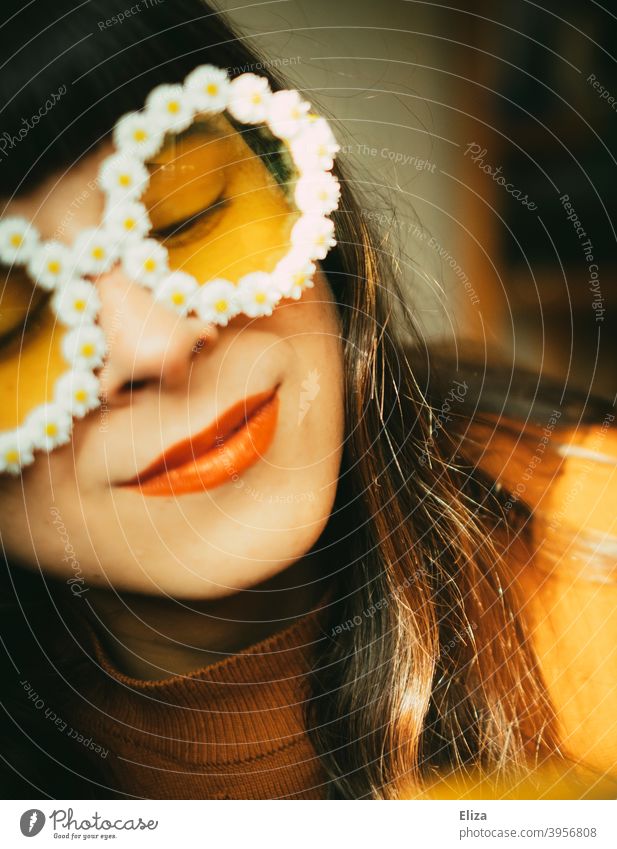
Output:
[[241, 502]]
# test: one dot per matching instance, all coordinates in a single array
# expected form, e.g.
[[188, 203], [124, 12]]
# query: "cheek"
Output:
[[311, 327], [313, 316], [316, 403]]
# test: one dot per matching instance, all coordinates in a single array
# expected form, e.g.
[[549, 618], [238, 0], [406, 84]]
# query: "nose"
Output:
[[148, 344]]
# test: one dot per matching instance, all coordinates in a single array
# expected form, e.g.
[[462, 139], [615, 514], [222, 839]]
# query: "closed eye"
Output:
[[184, 225]]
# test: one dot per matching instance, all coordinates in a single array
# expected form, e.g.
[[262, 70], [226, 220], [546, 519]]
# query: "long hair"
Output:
[[426, 664]]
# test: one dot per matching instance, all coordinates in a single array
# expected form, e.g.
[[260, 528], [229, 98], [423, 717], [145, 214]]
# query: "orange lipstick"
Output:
[[217, 454]]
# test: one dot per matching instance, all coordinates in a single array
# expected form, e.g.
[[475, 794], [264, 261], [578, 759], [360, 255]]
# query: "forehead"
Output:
[[66, 201]]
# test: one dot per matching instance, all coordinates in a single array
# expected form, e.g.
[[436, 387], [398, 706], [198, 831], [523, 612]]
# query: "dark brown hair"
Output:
[[433, 669]]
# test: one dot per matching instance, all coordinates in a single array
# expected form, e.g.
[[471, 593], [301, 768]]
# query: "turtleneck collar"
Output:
[[232, 729]]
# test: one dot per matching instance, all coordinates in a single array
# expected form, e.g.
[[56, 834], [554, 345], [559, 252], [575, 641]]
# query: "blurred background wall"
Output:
[[483, 139]]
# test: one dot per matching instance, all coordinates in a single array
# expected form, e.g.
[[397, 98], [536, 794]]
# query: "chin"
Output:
[[216, 542]]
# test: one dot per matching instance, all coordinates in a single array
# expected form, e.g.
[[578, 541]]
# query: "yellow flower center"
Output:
[[53, 266], [12, 455], [51, 429], [150, 264], [17, 240], [124, 180], [221, 306], [98, 252], [87, 349], [81, 395], [79, 305], [140, 135], [260, 297], [129, 223], [300, 279], [256, 98], [173, 106], [177, 298], [212, 89]]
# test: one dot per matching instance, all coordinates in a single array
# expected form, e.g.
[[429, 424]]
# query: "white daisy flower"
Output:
[[85, 347], [18, 240], [94, 251], [76, 302], [293, 274], [123, 175], [249, 98], [287, 114], [177, 291], [127, 221], [51, 265], [48, 426], [317, 194], [146, 262], [78, 392], [313, 235], [138, 134], [207, 88], [315, 148], [15, 451], [257, 294], [170, 108], [217, 301]]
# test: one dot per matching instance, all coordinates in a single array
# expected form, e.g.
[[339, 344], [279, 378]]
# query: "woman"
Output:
[[340, 615]]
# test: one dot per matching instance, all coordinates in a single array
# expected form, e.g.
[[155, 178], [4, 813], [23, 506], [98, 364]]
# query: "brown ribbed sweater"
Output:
[[231, 730]]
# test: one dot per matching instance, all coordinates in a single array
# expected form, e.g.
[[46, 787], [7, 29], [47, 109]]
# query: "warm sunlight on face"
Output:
[[261, 399]]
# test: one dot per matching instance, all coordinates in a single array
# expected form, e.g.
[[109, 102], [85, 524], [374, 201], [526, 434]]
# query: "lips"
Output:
[[216, 455]]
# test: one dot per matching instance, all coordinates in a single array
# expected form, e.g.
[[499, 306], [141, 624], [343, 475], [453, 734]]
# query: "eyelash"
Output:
[[171, 232]]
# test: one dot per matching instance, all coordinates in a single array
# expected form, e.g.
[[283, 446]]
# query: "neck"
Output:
[[154, 637]]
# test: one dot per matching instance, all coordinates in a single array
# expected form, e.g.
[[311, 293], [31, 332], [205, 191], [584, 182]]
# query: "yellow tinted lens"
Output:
[[216, 205], [31, 358]]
